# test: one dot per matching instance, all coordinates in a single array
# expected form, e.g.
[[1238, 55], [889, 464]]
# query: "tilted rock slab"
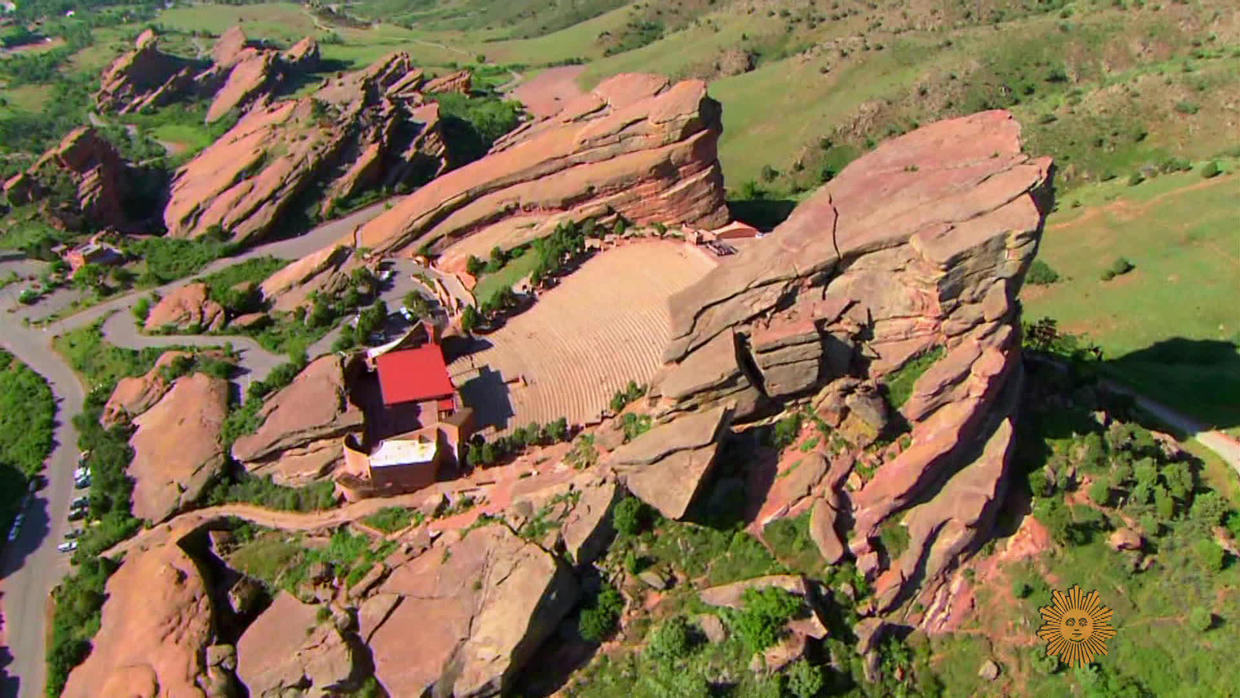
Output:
[[666, 466], [365, 129], [635, 145], [287, 649], [134, 395], [461, 619], [156, 625], [98, 173], [177, 448], [302, 426], [921, 244]]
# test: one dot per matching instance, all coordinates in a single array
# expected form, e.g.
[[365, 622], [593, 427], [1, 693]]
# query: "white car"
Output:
[[81, 473], [387, 275], [67, 546]]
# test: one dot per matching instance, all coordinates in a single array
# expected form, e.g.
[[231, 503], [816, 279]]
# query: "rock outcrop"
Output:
[[325, 272], [303, 426], [917, 249], [464, 616], [636, 146], [187, 308], [177, 449], [239, 75], [358, 131], [156, 625], [136, 394], [460, 82], [83, 180], [289, 650], [666, 466]]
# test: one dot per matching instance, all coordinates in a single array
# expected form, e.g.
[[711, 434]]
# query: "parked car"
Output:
[[16, 528], [81, 482], [82, 456], [387, 275], [73, 533], [36, 484], [76, 514], [80, 502], [80, 473], [67, 546]]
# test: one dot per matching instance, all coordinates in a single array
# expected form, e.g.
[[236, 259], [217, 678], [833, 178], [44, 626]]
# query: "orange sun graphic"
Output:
[[1075, 626]]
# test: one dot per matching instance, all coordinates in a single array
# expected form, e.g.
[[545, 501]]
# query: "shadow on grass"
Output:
[[1198, 377], [763, 214]]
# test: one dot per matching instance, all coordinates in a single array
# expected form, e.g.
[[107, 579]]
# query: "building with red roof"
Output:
[[415, 375]]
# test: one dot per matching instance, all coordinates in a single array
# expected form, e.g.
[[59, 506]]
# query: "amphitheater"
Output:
[[602, 326]]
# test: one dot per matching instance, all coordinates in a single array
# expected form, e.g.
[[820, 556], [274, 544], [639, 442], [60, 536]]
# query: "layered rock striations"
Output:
[[636, 146], [916, 250], [367, 129], [84, 182], [239, 75]]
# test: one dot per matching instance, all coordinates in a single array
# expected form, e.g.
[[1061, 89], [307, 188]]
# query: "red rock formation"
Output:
[[187, 307], [177, 448], [287, 649], [155, 626], [238, 76], [921, 244], [303, 425], [459, 81], [135, 395], [84, 179], [357, 131], [635, 145]]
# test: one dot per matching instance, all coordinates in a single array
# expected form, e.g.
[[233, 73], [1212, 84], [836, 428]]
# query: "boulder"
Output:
[[989, 670], [665, 467], [1125, 539], [177, 449], [466, 615], [303, 425], [358, 131], [134, 395], [822, 531], [154, 630], [636, 145], [98, 181], [324, 272], [287, 648], [187, 308]]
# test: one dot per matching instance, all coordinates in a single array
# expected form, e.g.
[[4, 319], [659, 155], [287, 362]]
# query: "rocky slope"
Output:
[[915, 251], [239, 75], [136, 394], [358, 131], [83, 183], [186, 308], [636, 145], [303, 425]]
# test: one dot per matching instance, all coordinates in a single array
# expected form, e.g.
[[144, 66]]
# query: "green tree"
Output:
[[805, 680], [469, 319], [630, 516], [670, 643], [765, 612]]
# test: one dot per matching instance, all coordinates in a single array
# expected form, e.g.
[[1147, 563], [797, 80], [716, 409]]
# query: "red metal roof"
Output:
[[412, 375]]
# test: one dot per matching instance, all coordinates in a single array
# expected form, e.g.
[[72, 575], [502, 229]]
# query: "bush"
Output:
[[1041, 274], [1135, 178], [1200, 619], [1187, 107], [1212, 169], [761, 621], [670, 643], [598, 621], [79, 600], [635, 425], [786, 431], [392, 519], [805, 680], [630, 516], [1119, 267], [1100, 493]]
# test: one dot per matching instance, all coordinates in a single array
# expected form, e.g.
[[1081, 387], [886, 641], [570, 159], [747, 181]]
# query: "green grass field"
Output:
[[511, 273], [1169, 328]]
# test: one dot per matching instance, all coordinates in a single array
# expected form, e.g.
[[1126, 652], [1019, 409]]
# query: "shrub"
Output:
[[1135, 178], [1212, 169], [475, 266], [786, 431], [1187, 108], [1210, 555], [141, 309], [805, 680], [630, 516], [1041, 274], [761, 620], [1119, 267], [1200, 619], [670, 643], [1100, 493], [598, 621], [635, 425]]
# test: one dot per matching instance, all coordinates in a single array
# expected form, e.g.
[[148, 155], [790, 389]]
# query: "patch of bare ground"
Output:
[[546, 93]]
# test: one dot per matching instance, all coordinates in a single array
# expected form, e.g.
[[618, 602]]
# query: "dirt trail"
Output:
[[1132, 209]]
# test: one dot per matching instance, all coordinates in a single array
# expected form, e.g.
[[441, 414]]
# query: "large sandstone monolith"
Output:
[[917, 249], [290, 650], [636, 145]]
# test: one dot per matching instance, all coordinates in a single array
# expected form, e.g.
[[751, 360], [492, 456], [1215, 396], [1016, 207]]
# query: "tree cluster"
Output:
[[482, 452]]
